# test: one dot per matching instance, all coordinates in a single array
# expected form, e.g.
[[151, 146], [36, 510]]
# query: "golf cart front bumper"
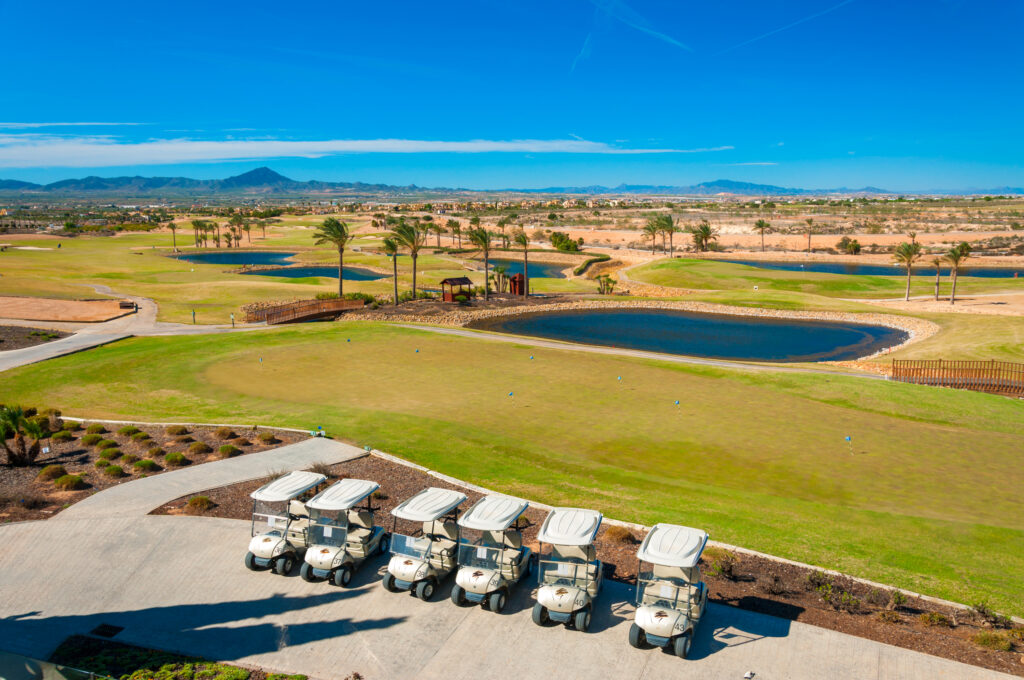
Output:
[[262, 562], [658, 641]]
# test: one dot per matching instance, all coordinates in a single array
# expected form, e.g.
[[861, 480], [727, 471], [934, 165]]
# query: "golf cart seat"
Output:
[[586, 556], [673, 582], [511, 557], [298, 508], [443, 536], [360, 526]]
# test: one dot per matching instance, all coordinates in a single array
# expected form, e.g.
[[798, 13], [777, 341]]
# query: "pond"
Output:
[[538, 270], [716, 336], [331, 272], [264, 257], [878, 269], [238, 257]]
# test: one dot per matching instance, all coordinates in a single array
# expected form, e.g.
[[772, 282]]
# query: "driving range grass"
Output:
[[928, 497]]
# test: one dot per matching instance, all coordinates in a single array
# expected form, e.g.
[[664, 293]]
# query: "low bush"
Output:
[[772, 584], [1016, 634], [176, 430], [619, 534], [379, 495], [128, 430], [155, 452], [73, 426], [184, 439], [101, 463], [886, 616], [267, 438], [224, 433], [95, 428], [198, 447], [323, 469], [228, 451], [106, 444], [176, 459], [817, 579], [896, 600], [145, 465], [241, 441], [993, 641], [129, 458], [877, 597], [92, 439], [43, 422], [935, 619], [114, 471], [140, 437], [110, 454], [578, 271], [198, 505], [51, 472], [62, 436], [69, 482], [721, 563]]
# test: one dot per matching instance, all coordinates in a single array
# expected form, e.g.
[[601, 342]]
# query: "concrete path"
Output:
[[178, 583]]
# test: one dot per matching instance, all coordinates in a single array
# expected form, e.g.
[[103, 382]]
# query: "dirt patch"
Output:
[[51, 309], [1010, 304], [748, 582], [26, 496], [16, 337]]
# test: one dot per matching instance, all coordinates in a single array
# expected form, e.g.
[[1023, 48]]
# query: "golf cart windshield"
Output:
[[672, 592], [566, 571], [269, 517], [328, 528], [408, 546], [479, 556]]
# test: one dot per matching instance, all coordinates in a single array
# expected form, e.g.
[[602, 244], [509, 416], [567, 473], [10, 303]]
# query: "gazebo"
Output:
[[459, 285]]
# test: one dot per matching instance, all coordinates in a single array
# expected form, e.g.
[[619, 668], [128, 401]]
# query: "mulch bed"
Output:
[[16, 337], [23, 496], [734, 579]]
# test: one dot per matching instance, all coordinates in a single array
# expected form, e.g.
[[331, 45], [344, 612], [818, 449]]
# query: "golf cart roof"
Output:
[[290, 486], [493, 513], [670, 545], [429, 504], [343, 495], [570, 526]]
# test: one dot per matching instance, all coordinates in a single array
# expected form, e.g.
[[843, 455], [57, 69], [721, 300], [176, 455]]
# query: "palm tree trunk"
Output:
[[394, 264], [526, 274], [909, 272], [218, 236], [487, 285], [762, 241], [341, 271], [938, 273], [414, 256], [174, 240], [671, 246], [808, 241], [952, 295]]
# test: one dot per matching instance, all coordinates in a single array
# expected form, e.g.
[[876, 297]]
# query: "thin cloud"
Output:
[[583, 53], [27, 151], [26, 126], [630, 17], [755, 163], [784, 28]]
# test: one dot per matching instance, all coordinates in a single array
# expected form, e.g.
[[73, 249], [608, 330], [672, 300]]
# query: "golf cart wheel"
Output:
[[540, 614], [458, 595], [496, 601], [250, 562], [682, 645], [582, 619], [306, 572], [425, 590], [637, 637], [385, 543], [343, 576], [389, 583], [283, 565]]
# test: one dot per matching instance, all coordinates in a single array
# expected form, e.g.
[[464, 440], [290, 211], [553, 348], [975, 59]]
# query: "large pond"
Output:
[[238, 257], [879, 269], [538, 270], [717, 336], [348, 273], [263, 257]]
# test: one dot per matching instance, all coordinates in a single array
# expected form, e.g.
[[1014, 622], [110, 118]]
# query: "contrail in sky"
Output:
[[785, 28]]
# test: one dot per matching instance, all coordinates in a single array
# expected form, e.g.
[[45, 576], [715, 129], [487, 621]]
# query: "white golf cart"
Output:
[[342, 533], [421, 561], [670, 597], [280, 521], [496, 560], [569, 574]]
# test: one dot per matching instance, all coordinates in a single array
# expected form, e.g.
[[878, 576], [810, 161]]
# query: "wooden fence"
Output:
[[998, 377], [302, 310]]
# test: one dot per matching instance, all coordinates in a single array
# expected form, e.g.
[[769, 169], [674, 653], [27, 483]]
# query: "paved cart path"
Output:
[[178, 583]]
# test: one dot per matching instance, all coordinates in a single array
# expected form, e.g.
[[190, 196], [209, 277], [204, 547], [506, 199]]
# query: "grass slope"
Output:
[[929, 500]]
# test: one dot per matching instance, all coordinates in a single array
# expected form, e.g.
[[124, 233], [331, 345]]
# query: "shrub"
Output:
[[224, 433], [267, 438], [327, 296], [935, 619], [877, 597], [176, 430], [184, 439], [140, 437], [62, 436], [129, 458], [897, 600], [817, 579], [101, 463], [323, 469], [1016, 634], [145, 465], [128, 430], [155, 452], [618, 534], [198, 447], [51, 472], [772, 585], [176, 459], [241, 441], [106, 444], [92, 439], [73, 426], [198, 504], [886, 616], [721, 563], [110, 454], [379, 495], [847, 602], [43, 422], [113, 471], [229, 451], [993, 641], [96, 428], [69, 482]]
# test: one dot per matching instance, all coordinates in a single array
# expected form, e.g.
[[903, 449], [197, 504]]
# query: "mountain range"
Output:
[[264, 182]]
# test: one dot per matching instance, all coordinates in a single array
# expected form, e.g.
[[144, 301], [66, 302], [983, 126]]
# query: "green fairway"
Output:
[[928, 499]]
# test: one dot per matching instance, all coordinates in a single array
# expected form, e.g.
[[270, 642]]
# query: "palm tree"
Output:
[[247, 228], [216, 224], [199, 227], [481, 238], [670, 228], [907, 254], [335, 232], [14, 425], [651, 231], [262, 224], [391, 250], [703, 234], [810, 230], [762, 226], [173, 226], [523, 240], [455, 227], [937, 263], [955, 257], [438, 229], [409, 236]]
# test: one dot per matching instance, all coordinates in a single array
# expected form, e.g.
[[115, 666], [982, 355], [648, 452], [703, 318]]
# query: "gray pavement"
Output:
[[178, 583]]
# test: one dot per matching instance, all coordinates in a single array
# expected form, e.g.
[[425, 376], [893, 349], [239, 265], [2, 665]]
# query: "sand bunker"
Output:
[[49, 309]]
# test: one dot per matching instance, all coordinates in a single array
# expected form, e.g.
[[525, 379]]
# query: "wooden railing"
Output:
[[306, 309], [998, 377]]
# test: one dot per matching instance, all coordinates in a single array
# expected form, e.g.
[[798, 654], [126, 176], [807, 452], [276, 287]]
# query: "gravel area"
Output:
[[745, 581], [16, 337]]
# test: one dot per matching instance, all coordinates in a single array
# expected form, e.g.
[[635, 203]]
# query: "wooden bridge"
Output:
[[997, 377], [303, 310]]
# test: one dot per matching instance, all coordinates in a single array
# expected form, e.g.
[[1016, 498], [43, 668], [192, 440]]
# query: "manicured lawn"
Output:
[[929, 499]]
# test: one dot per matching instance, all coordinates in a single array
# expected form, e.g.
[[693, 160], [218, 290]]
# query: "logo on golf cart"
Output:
[[266, 540], [660, 615], [324, 551], [407, 563], [561, 591], [477, 574]]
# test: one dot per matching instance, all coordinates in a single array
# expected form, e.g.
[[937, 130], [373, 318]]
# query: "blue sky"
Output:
[[902, 95]]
